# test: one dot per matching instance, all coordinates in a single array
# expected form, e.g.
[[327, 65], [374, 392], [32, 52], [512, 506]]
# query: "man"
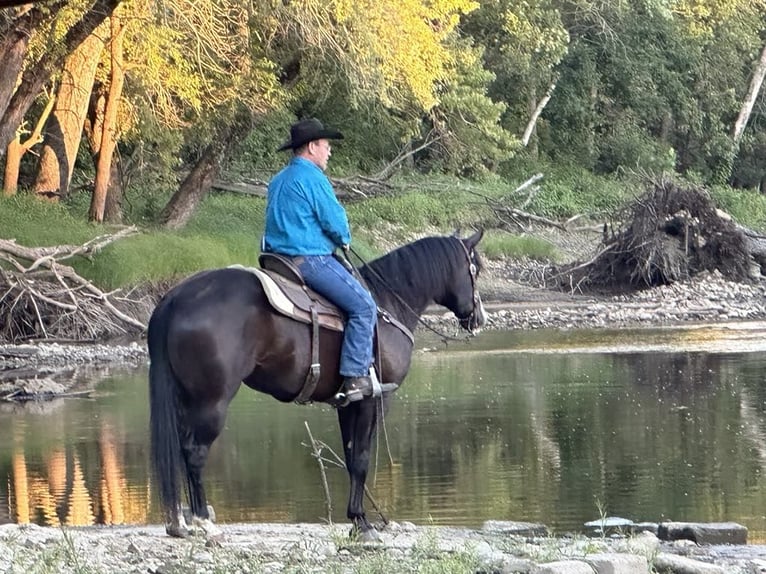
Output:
[[305, 221]]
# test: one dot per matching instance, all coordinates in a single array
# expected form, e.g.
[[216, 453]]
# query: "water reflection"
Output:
[[515, 435], [55, 492]]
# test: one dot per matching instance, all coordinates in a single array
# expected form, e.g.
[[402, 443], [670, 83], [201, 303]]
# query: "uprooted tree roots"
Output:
[[669, 234], [42, 298]]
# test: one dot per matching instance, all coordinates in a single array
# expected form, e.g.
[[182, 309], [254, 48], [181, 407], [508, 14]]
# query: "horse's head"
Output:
[[463, 297]]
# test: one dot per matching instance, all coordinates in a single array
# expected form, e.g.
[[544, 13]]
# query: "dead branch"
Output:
[[44, 298], [403, 155], [509, 217]]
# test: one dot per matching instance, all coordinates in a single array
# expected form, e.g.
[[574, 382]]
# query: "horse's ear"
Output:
[[472, 241]]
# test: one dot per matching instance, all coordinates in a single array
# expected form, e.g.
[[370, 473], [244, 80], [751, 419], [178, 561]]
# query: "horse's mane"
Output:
[[416, 269]]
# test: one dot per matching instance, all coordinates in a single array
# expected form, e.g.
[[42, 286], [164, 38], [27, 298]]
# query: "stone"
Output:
[[609, 525], [611, 563], [564, 567], [703, 532], [515, 528], [682, 565], [646, 544]]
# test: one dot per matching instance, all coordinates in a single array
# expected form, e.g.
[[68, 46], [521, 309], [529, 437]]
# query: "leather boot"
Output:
[[356, 388]]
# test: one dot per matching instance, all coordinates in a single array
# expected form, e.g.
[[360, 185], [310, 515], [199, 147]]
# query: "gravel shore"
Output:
[[405, 548]]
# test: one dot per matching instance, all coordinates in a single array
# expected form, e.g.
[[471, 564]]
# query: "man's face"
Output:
[[319, 151]]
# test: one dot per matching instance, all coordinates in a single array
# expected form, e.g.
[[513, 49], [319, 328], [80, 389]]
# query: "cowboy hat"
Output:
[[306, 131]]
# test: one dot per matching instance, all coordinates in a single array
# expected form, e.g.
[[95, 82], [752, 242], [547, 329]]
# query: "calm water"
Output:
[[543, 426]]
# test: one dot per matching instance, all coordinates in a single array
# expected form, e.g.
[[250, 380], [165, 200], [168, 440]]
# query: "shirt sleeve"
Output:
[[330, 213]]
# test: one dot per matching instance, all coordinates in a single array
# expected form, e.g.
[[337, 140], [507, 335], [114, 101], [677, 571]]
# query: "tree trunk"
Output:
[[12, 162], [17, 149], [752, 94], [37, 74], [64, 128], [537, 110], [94, 128], [181, 206], [109, 133], [114, 193], [13, 47]]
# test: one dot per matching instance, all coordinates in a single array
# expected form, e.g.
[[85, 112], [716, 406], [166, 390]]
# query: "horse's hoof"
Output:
[[176, 531], [211, 531], [365, 536]]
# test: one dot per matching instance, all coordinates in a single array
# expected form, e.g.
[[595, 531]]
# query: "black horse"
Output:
[[217, 329]]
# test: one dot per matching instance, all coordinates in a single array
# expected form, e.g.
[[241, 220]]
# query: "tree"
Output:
[[39, 72], [14, 45], [756, 81], [63, 130], [181, 206], [18, 148], [524, 42], [108, 128]]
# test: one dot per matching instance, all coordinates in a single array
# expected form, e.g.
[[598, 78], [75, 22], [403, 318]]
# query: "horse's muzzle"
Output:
[[476, 320]]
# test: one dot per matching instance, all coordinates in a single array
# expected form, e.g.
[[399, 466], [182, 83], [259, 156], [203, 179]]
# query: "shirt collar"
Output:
[[298, 160]]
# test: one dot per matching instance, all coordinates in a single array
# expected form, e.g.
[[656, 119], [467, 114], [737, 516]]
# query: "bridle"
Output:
[[473, 271], [465, 322]]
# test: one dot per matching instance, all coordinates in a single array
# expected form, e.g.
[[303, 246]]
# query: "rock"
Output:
[[564, 567], [618, 563], [682, 565], [704, 533], [609, 524], [515, 528]]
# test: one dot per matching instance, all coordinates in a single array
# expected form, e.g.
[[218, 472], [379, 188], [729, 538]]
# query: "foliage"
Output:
[[523, 42], [626, 146], [650, 86], [467, 122]]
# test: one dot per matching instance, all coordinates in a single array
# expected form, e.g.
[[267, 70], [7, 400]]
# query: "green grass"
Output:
[[747, 207], [498, 245], [33, 222]]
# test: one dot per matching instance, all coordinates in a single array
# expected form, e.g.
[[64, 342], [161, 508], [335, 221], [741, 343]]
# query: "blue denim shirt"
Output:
[[303, 216]]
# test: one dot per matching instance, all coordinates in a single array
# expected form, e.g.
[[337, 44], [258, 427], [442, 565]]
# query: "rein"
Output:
[[445, 337]]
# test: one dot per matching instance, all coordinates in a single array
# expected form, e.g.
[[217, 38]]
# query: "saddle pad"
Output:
[[291, 300]]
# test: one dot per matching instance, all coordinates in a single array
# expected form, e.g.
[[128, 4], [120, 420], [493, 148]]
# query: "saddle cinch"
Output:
[[288, 294]]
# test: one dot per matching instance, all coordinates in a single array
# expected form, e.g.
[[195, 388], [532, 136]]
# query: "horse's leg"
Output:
[[195, 448], [357, 427]]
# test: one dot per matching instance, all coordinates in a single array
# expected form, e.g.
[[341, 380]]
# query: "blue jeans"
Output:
[[325, 275]]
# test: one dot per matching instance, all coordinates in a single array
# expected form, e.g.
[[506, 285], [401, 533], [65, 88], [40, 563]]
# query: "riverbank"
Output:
[[271, 548]]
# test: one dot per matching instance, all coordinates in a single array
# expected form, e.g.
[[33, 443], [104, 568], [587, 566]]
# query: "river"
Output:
[[555, 427]]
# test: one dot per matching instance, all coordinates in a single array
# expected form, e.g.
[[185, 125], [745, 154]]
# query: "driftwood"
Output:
[[353, 187], [43, 298], [508, 212], [669, 234], [349, 188]]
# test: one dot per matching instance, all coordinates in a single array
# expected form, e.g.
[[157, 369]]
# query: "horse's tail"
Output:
[[164, 405]]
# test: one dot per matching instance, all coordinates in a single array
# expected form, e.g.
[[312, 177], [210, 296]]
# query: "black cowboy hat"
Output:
[[306, 131]]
